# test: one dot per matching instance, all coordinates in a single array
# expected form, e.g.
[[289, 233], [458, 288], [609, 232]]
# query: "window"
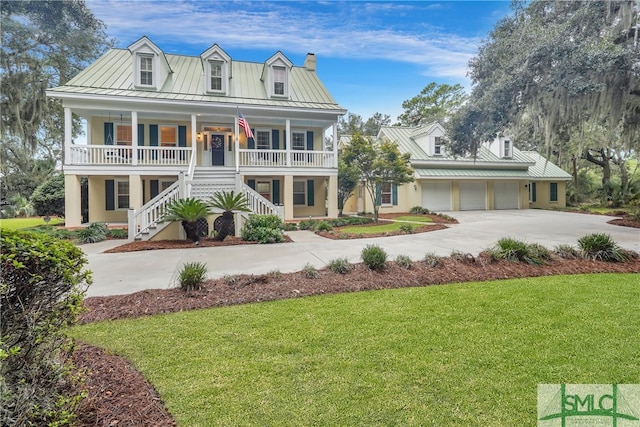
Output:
[[264, 188], [168, 136], [263, 140], [165, 184], [553, 191], [385, 193], [123, 134], [532, 192], [146, 70], [297, 140], [507, 148], [437, 146], [216, 76], [279, 80], [299, 193], [122, 194]]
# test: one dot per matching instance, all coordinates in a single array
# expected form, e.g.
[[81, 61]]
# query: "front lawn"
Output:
[[414, 218], [465, 354], [380, 227], [20, 223]]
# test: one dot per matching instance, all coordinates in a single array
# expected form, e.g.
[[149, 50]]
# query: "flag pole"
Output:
[[237, 144]]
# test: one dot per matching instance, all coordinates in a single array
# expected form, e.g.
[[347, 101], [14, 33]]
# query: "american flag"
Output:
[[242, 122]]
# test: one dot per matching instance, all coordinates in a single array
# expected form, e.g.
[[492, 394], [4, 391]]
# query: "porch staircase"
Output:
[[146, 222]]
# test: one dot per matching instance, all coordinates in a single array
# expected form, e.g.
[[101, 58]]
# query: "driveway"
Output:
[[133, 271]]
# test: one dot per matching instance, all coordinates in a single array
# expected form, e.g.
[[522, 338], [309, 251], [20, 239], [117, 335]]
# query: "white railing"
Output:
[[204, 190], [259, 204], [123, 155], [149, 215], [253, 157], [312, 159]]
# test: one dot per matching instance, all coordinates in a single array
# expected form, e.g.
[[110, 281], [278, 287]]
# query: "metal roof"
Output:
[[112, 75], [544, 169], [471, 173]]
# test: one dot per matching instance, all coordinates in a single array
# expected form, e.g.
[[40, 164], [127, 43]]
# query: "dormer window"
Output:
[[276, 74], [217, 66], [437, 146], [279, 80], [506, 148], [146, 70], [216, 76]]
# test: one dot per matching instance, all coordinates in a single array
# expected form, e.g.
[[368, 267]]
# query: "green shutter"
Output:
[[533, 192], [153, 135], [109, 195], [394, 194], [284, 139], [108, 134], [309, 140], [251, 142], [310, 195], [553, 190], [275, 139], [182, 136], [154, 188], [378, 194], [140, 140], [275, 185], [251, 183]]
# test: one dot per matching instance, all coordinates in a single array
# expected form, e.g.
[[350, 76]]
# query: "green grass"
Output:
[[413, 218], [457, 355], [384, 227], [20, 223]]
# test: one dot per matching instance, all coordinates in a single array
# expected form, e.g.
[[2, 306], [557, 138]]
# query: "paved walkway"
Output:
[[129, 272]]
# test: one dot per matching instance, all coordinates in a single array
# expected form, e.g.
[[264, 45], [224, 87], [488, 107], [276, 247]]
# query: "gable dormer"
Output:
[[276, 76], [431, 139], [217, 70], [150, 66], [502, 147]]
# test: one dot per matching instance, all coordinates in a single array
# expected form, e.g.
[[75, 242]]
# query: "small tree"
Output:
[[348, 178], [188, 211], [229, 202], [378, 163], [48, 198]]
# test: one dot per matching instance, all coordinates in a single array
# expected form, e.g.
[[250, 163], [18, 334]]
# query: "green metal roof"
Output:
[[471, 173], [544, 169], [112, 74]]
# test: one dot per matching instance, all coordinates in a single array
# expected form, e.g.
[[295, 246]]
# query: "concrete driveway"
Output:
[[133, 271]]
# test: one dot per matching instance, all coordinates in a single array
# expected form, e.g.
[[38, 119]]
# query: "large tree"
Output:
[[378, 162], [44, 44], [436, 102]]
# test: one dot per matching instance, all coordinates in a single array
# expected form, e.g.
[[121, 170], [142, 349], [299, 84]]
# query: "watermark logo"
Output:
[[593, 405]]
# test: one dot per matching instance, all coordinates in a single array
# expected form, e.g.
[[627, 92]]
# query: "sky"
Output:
[[371, 55]]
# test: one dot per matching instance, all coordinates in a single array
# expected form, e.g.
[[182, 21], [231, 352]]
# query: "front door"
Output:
[[217, 149]]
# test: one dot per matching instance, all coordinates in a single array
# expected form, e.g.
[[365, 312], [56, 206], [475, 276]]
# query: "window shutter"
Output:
[[309, 140], [284, 139], [251, 142], [553, 190], [378, 194], [275, 139], [153, 135], [154, 188], [182, 136], [109, 195], [275, 185], [140, 140], [108, 133], [251, 183], [533, 191], [310, 195], [394, 194]]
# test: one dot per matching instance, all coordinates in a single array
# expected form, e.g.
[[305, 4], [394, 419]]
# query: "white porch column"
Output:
[[288, 141], [332, 197], [72, 197], [194, 138], [135, 192], [68, 129], [288, 197], [236, 147], [134, 138], [335, 145]]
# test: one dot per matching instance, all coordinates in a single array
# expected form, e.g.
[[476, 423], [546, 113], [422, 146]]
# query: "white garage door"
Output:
[[473, 196], [436, 196], [506, 195]]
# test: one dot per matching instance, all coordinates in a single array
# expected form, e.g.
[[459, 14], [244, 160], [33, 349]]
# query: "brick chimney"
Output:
[[310, 62]]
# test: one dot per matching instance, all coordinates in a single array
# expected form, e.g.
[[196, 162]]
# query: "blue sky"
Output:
[[372, 55]]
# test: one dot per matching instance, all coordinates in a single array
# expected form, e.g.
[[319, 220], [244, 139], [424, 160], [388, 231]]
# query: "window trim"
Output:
[[551, 186], [438, 146], [116, 194], [390, 193], [223, 75], [270, 184], [118, 125], [162, 144], [268, 132], [285, 82], [304, 192], [507, 149], [139, 70], [304, 139]]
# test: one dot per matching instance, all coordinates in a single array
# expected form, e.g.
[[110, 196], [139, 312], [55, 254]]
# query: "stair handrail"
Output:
[[260, 205], [151, 213]]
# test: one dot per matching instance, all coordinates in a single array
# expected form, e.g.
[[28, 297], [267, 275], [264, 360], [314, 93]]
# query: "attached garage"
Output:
[[473, 196], [506, 195], [436, 196]]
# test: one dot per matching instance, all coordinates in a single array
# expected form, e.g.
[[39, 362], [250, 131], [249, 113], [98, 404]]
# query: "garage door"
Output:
[[506, 195], [436, 196], [473, 196]]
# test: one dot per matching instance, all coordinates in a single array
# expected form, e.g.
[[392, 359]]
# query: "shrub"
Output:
[[350, 220], [601, 247], [406, 228], [274, 274], [462, 256], [418, 210], [307, 224], [404, 262], [43, 282], [432, 259], [48, 198], [95, 232], [339, 265], [514, 250], [290, 226], [192, 275], [263, 229], [118, 233], [323, 226], [566, 251], [374, 257], [310, 272]]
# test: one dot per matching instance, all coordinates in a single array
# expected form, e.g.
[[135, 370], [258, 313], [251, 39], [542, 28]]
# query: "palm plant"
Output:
[[188, 211], [229, 202]]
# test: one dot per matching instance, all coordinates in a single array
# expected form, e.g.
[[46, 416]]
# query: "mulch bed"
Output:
[[625, 222]]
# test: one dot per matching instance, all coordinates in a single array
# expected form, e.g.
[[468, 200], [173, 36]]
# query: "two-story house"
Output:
[[163, 126], [499, 176]]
